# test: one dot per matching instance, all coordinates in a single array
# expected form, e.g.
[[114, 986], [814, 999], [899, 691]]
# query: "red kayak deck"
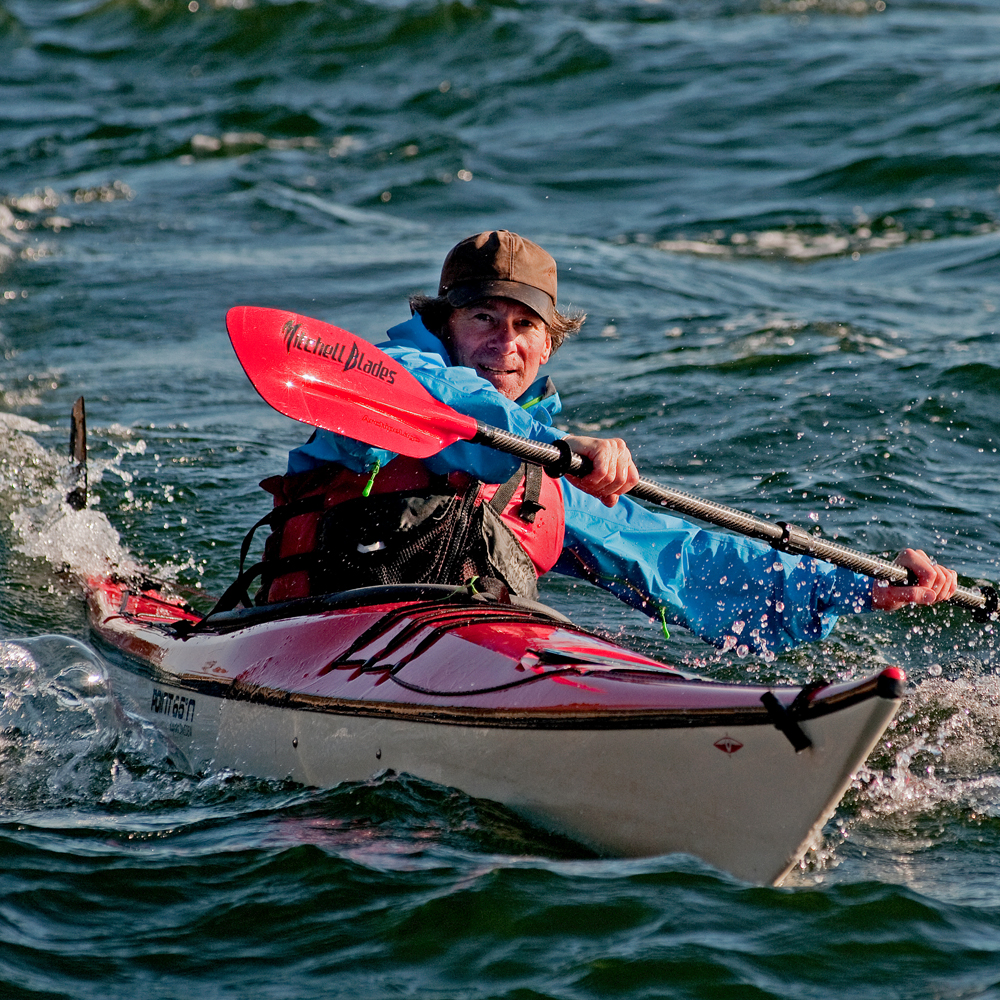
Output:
[[461, 657]]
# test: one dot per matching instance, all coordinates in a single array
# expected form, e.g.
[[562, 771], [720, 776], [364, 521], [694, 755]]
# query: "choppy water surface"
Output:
[[782, 219]]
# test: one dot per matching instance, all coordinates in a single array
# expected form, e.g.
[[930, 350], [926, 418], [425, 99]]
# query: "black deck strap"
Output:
[[784, 722], [248, 538], [236, 593], [530, 506], [989, 609], [802, 699], [505, 492]]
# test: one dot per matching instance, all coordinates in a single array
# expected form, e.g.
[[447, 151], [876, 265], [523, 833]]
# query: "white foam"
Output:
[[33, 486], [82, 543], [944, 750], [788, 243], [14, 422]]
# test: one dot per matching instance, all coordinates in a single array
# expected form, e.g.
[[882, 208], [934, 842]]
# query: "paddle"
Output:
[[328, 378], [77, 496]]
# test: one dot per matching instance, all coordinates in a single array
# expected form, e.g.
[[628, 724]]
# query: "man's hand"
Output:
[[934, 583], [614, 471]]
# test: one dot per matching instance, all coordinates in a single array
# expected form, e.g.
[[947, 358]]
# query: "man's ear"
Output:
[[445, 337], [547, 353]]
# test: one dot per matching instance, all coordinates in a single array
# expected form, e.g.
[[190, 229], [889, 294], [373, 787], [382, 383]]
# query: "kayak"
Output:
[[506, 701]]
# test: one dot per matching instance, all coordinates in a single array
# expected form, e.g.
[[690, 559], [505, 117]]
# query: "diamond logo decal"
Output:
[[728, 745]]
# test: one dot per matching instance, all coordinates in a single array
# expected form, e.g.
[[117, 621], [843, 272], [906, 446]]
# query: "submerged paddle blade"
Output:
[[77, 496], [328, 378]]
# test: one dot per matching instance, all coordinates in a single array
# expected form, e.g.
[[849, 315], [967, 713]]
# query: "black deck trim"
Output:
[[494, 718]]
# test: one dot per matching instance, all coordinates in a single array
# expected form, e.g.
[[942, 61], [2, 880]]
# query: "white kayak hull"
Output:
[[629, 763]]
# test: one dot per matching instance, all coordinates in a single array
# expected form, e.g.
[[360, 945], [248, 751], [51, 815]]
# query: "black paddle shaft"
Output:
[[558, 460]]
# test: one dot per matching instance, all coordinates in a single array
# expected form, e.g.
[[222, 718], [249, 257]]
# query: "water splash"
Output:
[[935, 772], [79, 544], [943, 748], [64, 738], [33, 483]]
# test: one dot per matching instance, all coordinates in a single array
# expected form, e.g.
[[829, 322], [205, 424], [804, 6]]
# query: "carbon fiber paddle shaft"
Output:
[[779, 534]]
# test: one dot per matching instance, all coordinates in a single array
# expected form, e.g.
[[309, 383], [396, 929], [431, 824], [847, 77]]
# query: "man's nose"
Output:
[[505, 332]]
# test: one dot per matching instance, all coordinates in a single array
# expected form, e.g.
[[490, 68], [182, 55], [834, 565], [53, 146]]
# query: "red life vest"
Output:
[[302, 525]]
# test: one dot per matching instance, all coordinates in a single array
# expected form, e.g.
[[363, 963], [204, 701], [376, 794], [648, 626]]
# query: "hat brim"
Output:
[[475, 291]]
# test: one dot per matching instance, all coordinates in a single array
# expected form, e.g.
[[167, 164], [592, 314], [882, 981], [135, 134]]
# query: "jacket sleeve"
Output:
[[461, 389], [731, 591]]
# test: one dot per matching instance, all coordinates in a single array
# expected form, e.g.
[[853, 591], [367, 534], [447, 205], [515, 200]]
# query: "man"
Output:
[[478, 346]]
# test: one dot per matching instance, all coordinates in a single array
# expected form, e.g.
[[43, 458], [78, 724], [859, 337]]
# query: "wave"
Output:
[[297, 918], [979, 378], [289, 199], [41, 211], [887, 175], [982, 266], [803, 236], [258, 33]]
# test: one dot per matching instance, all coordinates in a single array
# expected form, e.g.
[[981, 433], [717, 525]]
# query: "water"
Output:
[[783, 219]]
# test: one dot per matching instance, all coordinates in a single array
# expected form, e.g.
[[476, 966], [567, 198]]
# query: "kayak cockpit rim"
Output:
[[432, 593]]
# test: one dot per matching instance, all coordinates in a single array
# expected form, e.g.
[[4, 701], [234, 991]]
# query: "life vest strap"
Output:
[[531, 473], [530, 505], [277, 516]]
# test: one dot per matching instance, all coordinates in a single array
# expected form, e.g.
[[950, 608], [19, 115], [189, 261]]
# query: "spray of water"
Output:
[[64, 739], [34, 481]]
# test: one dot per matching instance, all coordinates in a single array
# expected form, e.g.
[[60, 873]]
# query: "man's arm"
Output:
[[730, 590]]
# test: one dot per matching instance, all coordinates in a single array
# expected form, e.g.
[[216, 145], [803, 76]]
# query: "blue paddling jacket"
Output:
[[731, 591]]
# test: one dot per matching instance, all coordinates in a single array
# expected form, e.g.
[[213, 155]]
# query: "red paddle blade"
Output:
[[328, 378]]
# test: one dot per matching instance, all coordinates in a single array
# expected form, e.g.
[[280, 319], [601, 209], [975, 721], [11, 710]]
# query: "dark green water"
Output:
[[784, 222]]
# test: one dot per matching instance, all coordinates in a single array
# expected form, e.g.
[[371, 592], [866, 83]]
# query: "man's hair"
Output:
[[436, 310]]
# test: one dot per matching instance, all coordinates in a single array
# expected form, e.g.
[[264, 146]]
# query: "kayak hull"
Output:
[[625, 755]]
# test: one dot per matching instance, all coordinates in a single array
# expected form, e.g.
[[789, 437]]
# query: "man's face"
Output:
[[503, 341]]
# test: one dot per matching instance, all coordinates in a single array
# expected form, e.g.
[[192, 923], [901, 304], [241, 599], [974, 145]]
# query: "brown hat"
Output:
[[501, 265]]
